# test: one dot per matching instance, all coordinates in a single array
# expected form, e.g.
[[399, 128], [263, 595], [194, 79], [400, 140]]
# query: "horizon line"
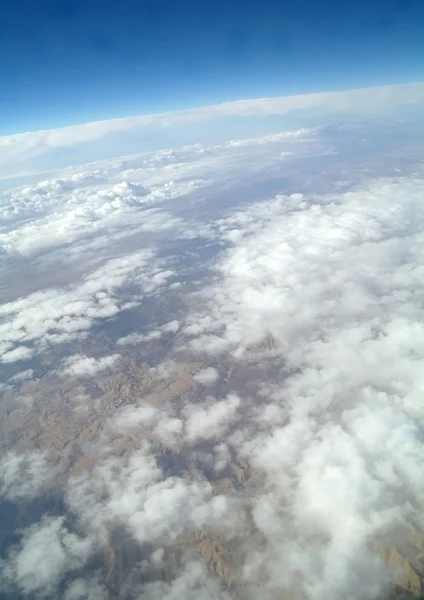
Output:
[[203, 107]]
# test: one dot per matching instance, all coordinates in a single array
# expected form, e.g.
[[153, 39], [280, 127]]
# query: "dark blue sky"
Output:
[[69, 61]]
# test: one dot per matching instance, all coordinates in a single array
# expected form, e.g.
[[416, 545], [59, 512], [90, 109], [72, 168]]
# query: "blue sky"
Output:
[[71, 61]]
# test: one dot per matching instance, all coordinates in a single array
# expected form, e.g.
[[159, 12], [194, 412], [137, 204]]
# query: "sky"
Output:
[[70, 61]]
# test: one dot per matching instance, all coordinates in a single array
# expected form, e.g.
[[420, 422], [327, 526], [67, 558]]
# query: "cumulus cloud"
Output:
[[329, 286], [153, 507], [48, 317], [317, 303], [211, 419], [41, 222], [24, 475], [289, 482], [289, 252], [194, 582], [207, 376], [135, 416], [162, 425], [85, 366], [45, 553], [127, 188], [86, 589], [164, 369]]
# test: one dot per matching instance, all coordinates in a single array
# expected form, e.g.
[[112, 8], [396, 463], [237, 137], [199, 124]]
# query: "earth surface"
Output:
[[212, 354]]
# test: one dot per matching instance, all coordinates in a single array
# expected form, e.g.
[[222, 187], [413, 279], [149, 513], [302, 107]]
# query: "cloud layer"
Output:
[[25, 154], [243, 368], [329, 289]]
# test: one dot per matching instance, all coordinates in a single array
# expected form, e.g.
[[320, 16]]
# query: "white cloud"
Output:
[[57, 315], [136, 494], [24, 475], [169, 431], [222, 457], [39, 222], [135, 416], [328, 289], [207, 376], [164, 370], [86, 589], [22, 376], [46, 552], [193, 582], [210, 420], [16, 354], [291, 252], [161, 425], [78, 365], [127, 188], [138, 338], [274, 138], [314, 307], [170, 327]]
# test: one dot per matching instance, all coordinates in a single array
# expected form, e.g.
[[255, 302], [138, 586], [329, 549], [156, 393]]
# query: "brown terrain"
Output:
[[71, 420]]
